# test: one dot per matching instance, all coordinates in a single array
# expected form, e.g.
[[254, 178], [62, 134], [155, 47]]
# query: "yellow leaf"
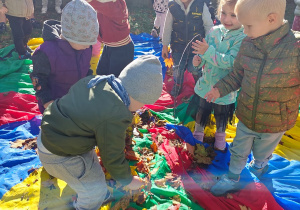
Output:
[[168, 62]]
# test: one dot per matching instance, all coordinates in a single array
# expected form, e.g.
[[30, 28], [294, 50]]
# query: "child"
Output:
[[57, 6], [185, 19], [296, 23], [64, 57], [114, 29], [96, 112], [217, 53], [160, 7], [267, 71], [18, 15]]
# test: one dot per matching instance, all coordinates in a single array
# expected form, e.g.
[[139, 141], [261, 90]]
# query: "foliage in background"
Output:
[[141, 17]]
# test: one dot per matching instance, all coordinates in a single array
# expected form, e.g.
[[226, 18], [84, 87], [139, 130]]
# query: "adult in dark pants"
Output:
[[114, 32], [18, 15]]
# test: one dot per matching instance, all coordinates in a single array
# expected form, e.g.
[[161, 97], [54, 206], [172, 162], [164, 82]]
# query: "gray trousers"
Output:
[[82, 173], [57, 3], [261, 144]]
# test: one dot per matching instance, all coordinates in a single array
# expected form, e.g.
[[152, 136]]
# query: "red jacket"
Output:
[[114, 27]]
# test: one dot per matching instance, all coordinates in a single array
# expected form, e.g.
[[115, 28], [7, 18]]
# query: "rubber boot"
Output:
[[220, 143], [198, 135]]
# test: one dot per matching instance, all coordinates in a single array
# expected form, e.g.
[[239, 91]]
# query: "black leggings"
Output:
[[21, 29], [222, 113]]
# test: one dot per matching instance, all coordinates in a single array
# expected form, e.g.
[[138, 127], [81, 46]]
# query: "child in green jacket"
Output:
[[267, 71], [96, 112]]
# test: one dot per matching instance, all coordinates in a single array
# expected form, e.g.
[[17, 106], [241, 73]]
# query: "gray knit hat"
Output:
[[142, 79], [79, 23]]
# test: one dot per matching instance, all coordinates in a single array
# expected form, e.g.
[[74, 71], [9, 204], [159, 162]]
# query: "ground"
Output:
[[140, 18]]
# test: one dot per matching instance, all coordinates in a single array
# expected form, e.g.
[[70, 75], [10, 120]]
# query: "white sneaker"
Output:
[[44, 10], [58, 10]]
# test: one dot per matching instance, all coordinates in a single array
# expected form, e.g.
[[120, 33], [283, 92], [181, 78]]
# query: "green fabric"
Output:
[[161, 197], [14, 74], [166, 114], [88, 117], [267, 71]]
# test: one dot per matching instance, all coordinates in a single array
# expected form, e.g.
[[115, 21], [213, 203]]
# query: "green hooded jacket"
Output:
[[267, 71], [89, 117]]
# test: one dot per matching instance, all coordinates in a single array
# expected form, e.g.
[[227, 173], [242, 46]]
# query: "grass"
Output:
[[140, 19]]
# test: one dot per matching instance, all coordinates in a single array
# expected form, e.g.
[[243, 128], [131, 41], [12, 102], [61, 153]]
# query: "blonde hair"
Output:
[[261, 7], [221, 3]]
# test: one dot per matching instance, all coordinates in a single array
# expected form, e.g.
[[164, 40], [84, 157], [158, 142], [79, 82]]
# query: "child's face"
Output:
[[186, 1], [76, 46], [255, 26], [228, 18]]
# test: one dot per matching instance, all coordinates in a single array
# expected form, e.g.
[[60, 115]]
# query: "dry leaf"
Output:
[[160, 182], [154, 147]]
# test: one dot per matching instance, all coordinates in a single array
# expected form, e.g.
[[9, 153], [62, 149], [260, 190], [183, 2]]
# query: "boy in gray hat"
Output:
[[96, 112], [64, 57]]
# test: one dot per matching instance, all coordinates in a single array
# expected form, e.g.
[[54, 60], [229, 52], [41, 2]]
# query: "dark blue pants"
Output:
[[21, 29], [114, 59]]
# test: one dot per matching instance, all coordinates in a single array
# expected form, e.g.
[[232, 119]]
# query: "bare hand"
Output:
[[212, 95], [164, 52], [190, 149], [200, 47], [3, 10], [196, 60], [135, 184], [47, 104]]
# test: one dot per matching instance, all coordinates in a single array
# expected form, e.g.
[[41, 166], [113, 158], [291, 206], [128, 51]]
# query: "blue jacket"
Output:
[[218, 60]]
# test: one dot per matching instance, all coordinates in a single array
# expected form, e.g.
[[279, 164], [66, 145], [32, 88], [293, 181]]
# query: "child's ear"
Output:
[[272, 18]]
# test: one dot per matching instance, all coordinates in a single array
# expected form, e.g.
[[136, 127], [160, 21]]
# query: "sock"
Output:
[[198, 128]]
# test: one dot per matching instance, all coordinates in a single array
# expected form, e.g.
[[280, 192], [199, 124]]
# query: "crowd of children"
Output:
[[252, 50]]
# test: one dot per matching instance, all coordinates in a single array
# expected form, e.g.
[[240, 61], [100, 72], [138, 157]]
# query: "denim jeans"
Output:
[[261, 144], [82, 173]]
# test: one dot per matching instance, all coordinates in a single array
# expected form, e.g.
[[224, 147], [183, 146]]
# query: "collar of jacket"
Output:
[[227, 34], [267, 42]]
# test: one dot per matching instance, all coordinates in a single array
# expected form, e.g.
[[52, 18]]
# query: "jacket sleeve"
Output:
[[110, 138], [206, 18], [39, 76], [166, 39], [233, 80], [223, 60], [109, 8]]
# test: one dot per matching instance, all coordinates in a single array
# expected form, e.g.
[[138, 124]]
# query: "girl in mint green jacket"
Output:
[[215, 55]]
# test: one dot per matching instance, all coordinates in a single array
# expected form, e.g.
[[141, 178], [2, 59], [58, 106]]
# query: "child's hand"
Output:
[[200, 47], [212, 95], [47, 104], [3, 10], [190, 149], [164, 52], [135, 184], [196, 60]]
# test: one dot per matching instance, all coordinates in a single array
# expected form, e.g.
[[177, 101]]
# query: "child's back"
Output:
[[64, 57]]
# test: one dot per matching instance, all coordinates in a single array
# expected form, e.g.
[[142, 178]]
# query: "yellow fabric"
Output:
[[40, 191]]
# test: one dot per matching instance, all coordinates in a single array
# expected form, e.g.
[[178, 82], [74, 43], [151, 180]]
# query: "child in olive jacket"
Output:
[[96, 112], [267, 71]]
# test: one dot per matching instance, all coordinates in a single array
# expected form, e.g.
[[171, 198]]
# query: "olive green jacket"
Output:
[[19, 8], [89, 117], [267, 69]]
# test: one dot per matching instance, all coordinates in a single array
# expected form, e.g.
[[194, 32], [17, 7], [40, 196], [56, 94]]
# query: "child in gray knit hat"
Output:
[[96, 112], [64, 57]]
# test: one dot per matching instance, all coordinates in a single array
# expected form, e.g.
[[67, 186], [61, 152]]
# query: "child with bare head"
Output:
[[266, 70]]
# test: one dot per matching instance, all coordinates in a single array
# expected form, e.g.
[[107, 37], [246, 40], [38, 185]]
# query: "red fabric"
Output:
[[166, 100], [17, 107], [254, 195]]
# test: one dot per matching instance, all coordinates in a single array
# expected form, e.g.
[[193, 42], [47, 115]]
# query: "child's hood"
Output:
[[51, 30]]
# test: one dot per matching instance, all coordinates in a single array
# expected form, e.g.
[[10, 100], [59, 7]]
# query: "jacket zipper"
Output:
[[257, 90]]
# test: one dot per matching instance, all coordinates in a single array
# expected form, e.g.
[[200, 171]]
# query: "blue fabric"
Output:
[[186, 134], [15, 164], [115, 84]]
